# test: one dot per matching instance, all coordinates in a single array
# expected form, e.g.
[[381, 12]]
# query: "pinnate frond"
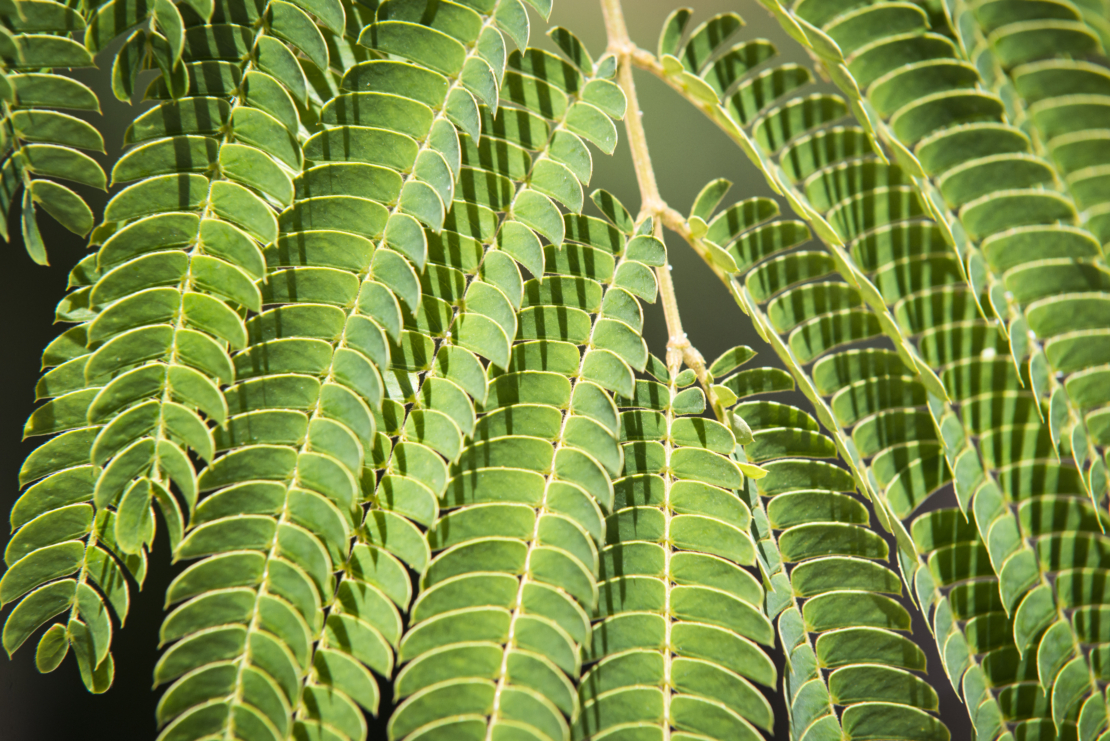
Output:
[[679, 622], [852, 670], [978, 174], [39, 142], [426, 467], [504, 604], [160, 304], [812, 157]]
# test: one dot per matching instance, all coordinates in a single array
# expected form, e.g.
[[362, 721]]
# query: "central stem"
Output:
[[652, 205], [621, 46]]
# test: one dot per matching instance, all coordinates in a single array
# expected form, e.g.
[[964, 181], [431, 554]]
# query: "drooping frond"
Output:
[[853, 671], [846, 639], [515, 553], [899, 259], [808, 303], [958, 591], [827, 172], [676, 634], [178, 259], [56, 530], [978, 171], [353, 191], [38, 142], [1016, 229], [303, 421], [495, 632], [412, 447]]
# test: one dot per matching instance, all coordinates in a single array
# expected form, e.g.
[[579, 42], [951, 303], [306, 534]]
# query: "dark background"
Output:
[[687, 152]]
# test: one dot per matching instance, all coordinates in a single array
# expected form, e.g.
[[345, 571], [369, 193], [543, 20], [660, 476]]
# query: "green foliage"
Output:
[[397, 464], [894, 264], [997, 196], [811, 525], [38, 141], [837, 597], [676, 633], [980, 174]]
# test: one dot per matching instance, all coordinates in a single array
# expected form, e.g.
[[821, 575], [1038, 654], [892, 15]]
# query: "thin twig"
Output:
[[679, 349]]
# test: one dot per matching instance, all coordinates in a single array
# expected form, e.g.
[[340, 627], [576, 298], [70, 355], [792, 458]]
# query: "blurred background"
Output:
[[687, 152]]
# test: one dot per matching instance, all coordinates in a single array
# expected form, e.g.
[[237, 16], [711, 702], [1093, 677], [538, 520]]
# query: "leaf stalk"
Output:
[[652, 205]]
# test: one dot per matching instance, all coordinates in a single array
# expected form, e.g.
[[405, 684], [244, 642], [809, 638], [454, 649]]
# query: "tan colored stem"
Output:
[[679, 349]]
